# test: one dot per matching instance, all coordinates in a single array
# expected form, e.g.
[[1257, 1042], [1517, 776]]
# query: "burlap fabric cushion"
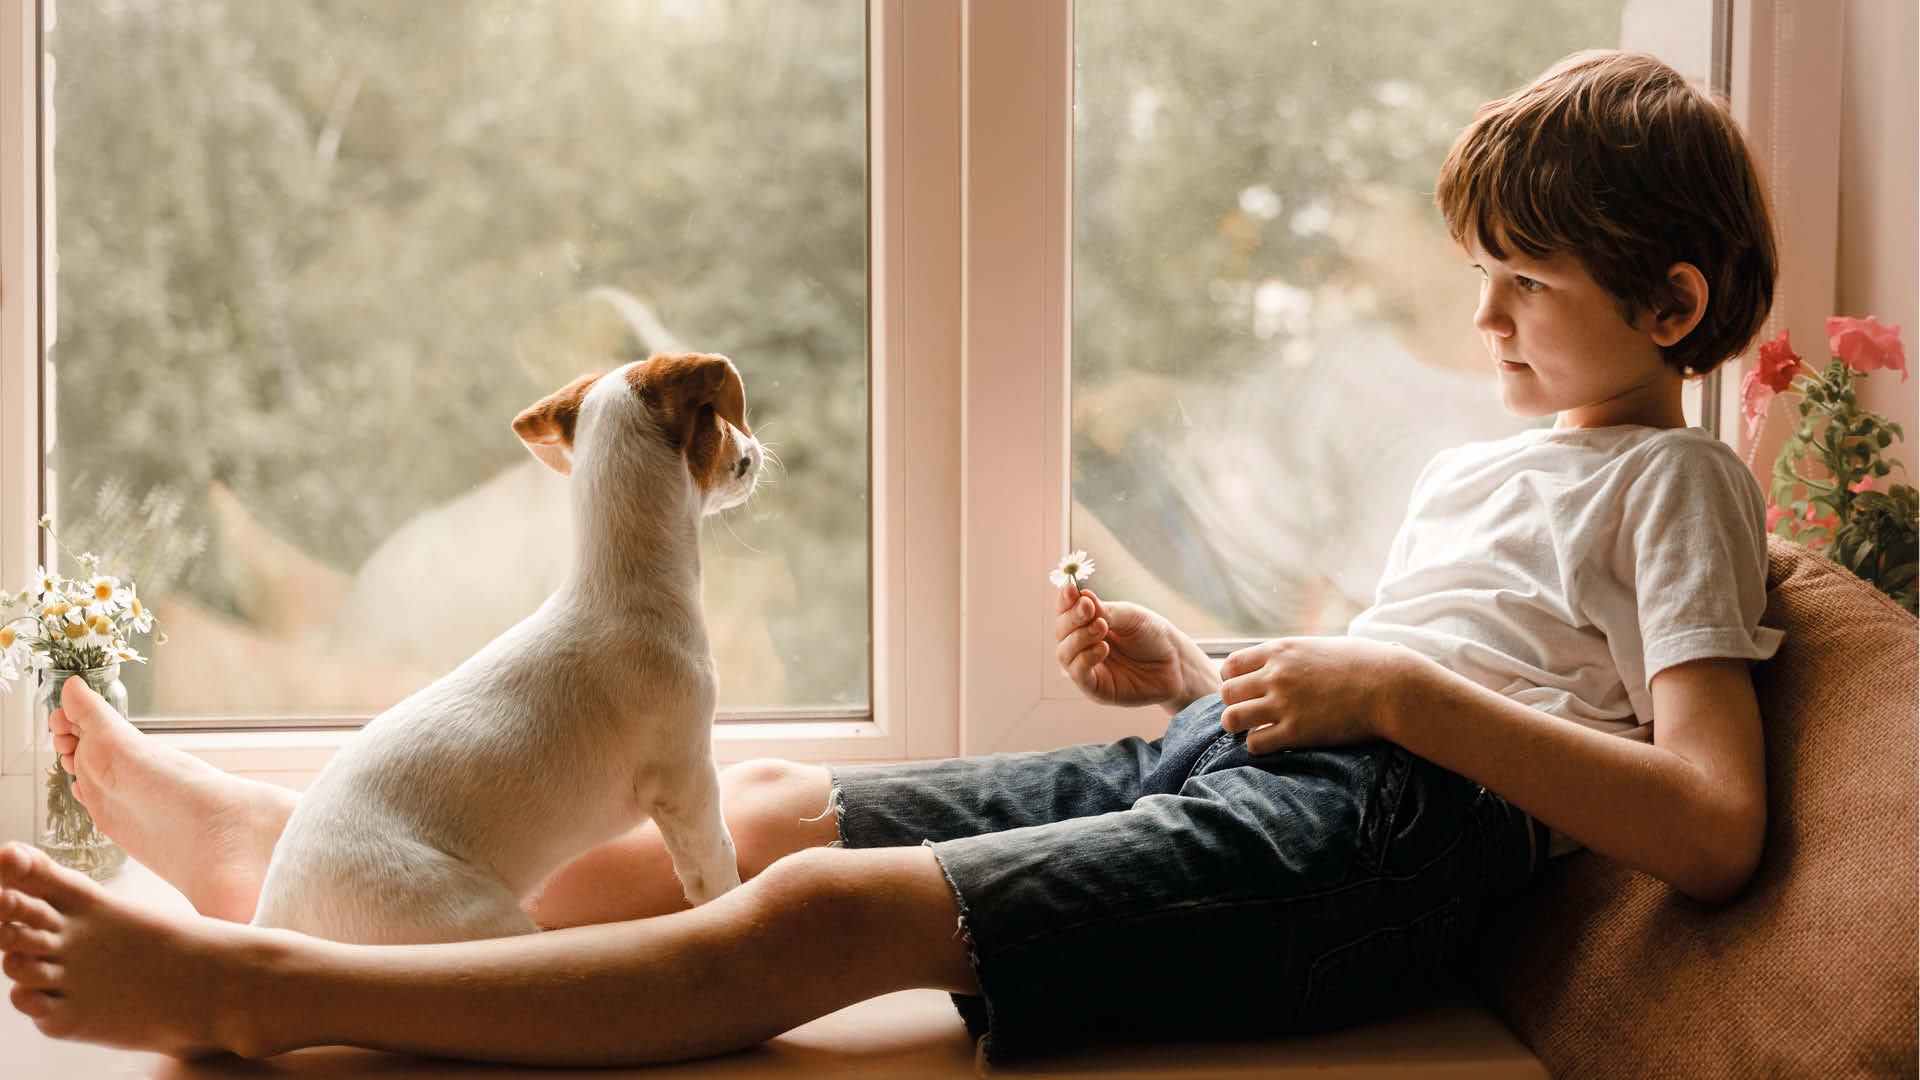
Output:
[[1607, 972]]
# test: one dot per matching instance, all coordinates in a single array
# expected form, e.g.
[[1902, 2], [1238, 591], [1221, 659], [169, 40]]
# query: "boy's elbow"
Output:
[[1720, 870]]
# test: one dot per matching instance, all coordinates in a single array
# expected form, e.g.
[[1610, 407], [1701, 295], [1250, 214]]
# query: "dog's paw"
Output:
[[701, 888]]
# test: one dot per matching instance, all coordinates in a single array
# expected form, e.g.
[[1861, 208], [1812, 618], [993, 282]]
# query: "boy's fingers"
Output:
[[1239, 690], [1080, 668], [1068, 621], [1244, 715], [1078, 642]]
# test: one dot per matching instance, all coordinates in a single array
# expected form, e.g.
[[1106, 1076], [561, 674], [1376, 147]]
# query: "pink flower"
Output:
[[1865, 483], [1772, 374], [1774, 514], [1778, 362], [1755, 397], [1866, 345]]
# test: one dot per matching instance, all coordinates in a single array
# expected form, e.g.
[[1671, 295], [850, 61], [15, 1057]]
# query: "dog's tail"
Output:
[[653, 334]]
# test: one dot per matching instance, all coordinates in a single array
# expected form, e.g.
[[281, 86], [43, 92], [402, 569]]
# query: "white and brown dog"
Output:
[[589, 716]]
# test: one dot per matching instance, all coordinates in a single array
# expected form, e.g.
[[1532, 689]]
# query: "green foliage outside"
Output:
[[1317, 101], [1271, 329], [322, 251]]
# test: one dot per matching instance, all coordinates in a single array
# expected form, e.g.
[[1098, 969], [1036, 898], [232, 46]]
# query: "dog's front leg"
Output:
[[696, 834]]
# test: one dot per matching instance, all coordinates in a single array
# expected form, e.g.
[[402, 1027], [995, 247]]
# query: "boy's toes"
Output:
[[28, 870], [86, 711], [31, 1003], [30, 971], [19, 937], [29, 911]]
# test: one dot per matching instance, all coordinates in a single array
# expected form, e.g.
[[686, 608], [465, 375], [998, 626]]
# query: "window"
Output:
[[1197, 243], [1271, 328], [310, 259], [991, 376]]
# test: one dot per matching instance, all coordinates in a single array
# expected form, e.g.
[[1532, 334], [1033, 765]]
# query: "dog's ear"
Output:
[[680, 386], [546, 426]]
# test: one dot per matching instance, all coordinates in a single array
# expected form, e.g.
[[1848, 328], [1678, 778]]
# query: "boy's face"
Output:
[[1560, 345]]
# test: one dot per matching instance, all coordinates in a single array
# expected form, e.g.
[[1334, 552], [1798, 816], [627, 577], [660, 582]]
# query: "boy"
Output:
[[1566, 620]]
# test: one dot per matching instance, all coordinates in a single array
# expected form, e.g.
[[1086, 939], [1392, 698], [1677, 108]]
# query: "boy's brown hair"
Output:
[[1612, 158]]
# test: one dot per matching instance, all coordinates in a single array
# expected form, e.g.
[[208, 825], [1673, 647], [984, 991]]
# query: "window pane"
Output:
[[314, 255], [1271, 328]]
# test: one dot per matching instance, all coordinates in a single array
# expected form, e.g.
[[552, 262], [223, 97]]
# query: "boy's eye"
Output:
[[1527, 284]]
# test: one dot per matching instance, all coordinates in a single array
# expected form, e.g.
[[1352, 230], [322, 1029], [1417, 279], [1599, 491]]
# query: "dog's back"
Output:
[[587, 716]]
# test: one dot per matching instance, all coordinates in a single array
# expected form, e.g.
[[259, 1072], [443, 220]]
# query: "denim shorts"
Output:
[[1187, 888]]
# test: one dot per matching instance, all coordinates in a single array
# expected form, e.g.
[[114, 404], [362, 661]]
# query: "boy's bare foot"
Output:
[[207, 833], [87, 965]]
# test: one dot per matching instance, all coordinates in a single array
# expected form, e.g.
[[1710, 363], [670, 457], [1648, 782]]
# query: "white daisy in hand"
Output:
[[1072, 569]]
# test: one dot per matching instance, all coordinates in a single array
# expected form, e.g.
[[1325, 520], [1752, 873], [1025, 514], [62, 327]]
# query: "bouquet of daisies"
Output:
[[70, 624]]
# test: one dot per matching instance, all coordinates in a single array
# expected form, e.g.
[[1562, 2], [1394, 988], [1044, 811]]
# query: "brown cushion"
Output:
[[1605, 971]]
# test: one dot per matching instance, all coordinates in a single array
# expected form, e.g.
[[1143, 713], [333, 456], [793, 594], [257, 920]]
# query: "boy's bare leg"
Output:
[[773, 809], [206, 832], [210, 834], [817, 931]]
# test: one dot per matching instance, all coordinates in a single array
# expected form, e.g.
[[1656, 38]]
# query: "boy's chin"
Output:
[[1523, 408]]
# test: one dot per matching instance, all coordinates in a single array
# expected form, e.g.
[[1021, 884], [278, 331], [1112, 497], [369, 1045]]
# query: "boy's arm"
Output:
[[1689, 808]]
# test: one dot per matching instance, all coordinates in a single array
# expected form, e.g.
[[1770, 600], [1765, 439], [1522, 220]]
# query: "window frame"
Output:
[[970, 164], [913, 363]]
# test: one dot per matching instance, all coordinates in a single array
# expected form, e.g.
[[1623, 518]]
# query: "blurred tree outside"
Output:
[[1271, 329], [313, 255]]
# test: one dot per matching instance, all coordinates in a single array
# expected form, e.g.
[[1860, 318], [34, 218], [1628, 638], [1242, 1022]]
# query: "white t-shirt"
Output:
[[1565, 568]]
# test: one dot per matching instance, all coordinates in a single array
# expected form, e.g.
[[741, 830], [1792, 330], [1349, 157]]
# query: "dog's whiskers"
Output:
[[731, 531]]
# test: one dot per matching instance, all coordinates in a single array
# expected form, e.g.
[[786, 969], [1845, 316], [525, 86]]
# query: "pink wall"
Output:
[[1877, 269]]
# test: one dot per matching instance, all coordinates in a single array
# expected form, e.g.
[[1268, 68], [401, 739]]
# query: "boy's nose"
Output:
[[1488, 318]]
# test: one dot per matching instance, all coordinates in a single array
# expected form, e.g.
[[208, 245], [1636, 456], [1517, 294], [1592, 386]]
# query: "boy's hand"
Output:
[[1124, 654], [1304, 692]]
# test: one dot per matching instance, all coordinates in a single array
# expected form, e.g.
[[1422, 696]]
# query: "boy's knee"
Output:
[[775, 808], [846, 888], [762, 774], [810, 884], [893, 906]]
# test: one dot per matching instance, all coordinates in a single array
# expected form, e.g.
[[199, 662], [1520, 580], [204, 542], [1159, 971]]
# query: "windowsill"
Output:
[[286, 755]]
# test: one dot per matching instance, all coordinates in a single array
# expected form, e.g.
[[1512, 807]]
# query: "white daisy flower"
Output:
[[104, 591], [1072, 569], [46, 582], [138, 616], [15, 650]]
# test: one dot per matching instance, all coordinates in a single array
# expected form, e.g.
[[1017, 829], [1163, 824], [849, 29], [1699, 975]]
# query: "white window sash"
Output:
[[19, 388]]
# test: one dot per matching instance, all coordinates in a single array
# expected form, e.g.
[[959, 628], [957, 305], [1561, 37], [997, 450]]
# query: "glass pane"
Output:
[[1271, 328], [314, 255]]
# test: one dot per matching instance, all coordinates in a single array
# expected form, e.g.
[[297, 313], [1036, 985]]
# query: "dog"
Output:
[[584, 719]]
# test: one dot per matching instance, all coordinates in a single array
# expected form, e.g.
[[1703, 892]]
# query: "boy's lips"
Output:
[[1510, 365]]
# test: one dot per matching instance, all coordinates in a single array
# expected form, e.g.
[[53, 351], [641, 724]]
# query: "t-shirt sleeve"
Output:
[[1694, 531]]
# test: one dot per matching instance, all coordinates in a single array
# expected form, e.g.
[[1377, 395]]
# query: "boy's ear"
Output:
[[1685, 306]]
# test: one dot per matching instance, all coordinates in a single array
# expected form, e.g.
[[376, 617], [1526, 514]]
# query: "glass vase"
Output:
[[61, 826]]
